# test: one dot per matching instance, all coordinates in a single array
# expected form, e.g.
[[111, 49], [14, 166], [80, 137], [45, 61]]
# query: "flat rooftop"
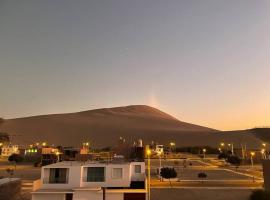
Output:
[[81, 163]]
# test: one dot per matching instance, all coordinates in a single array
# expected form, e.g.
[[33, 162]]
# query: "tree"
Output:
[[260, 195], [16, 158], [234, 160], [202, 175], [223, 156], [168, 173]]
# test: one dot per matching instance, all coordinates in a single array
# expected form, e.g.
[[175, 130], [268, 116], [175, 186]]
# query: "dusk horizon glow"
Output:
[[205, 63]]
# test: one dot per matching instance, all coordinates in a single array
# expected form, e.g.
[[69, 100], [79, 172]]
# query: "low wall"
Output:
[[10, 189]]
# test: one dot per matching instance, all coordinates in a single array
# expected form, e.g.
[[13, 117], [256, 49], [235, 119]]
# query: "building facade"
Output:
[[8, 150], [91, 181]]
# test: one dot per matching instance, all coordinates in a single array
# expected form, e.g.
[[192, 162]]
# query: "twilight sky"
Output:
[[205, 62]]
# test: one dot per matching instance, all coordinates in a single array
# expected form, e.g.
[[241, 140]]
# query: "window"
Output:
[[69, 196], [58, 175], [138, 169], [117, 173], [95, 174]]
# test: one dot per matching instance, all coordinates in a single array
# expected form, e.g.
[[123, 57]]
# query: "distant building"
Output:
[[71, 180], [8, 150], [49, 155]]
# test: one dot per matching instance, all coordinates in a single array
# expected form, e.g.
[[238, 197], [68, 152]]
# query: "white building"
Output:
[[8, 150], [91, 181]]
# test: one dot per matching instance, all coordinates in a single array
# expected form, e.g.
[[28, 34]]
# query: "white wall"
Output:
[[137, 177], [109, 181], [77, 173], [74, 177]]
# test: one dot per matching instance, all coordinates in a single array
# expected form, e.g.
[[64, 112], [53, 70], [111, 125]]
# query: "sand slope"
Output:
[[103, 127]]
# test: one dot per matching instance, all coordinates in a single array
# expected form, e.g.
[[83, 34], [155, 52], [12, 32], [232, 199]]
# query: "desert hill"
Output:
[[103, 127]]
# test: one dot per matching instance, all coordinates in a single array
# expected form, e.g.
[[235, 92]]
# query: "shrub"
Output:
[[234, 160], [168, 173], [16, 158], [202, 175]]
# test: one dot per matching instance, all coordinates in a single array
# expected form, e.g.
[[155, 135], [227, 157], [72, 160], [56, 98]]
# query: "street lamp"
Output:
[[172, 145], [44, 144], [57, 153], [148, 153], [222, 144], [264, 144], [263, 154], [251, 157], [1, 144], [204, 151]]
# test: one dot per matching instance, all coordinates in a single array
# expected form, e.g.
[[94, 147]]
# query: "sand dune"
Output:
[[103, 127]]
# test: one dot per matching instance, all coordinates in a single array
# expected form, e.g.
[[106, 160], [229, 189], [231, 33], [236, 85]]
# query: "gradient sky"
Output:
[[205, 62]]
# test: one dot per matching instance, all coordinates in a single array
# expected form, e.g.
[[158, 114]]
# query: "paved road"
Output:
[[219, 175]]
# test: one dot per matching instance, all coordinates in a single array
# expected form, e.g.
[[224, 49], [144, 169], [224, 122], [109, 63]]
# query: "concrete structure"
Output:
[[8, 150], [10, 188], [266, 174], [91, 180]]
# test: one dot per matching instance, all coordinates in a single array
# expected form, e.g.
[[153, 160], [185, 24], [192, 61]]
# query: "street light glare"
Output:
[[172, 144]]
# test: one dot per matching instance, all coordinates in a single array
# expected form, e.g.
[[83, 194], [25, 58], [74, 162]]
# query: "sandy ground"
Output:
[[200, 194]]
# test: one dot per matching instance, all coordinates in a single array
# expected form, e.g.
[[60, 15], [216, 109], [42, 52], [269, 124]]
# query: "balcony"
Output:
[[55, 180]]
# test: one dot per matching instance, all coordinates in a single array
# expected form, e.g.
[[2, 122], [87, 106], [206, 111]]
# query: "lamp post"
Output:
[[251, 157], [265, 150], [159, 156], [263, 154], [172, 145], [204, 151], [58, 155], [148, 152]]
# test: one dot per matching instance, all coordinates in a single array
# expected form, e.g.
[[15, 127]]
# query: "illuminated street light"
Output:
[[204, 151], [57, 153], [264, 144], [263, 154], [1, 144], [44, 144], [222, 144], [159, 155], [148, 153], [172, 144], [252, 154]]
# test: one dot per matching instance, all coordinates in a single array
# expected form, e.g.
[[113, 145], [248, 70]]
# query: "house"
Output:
[[8, 150], [72, 180]]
